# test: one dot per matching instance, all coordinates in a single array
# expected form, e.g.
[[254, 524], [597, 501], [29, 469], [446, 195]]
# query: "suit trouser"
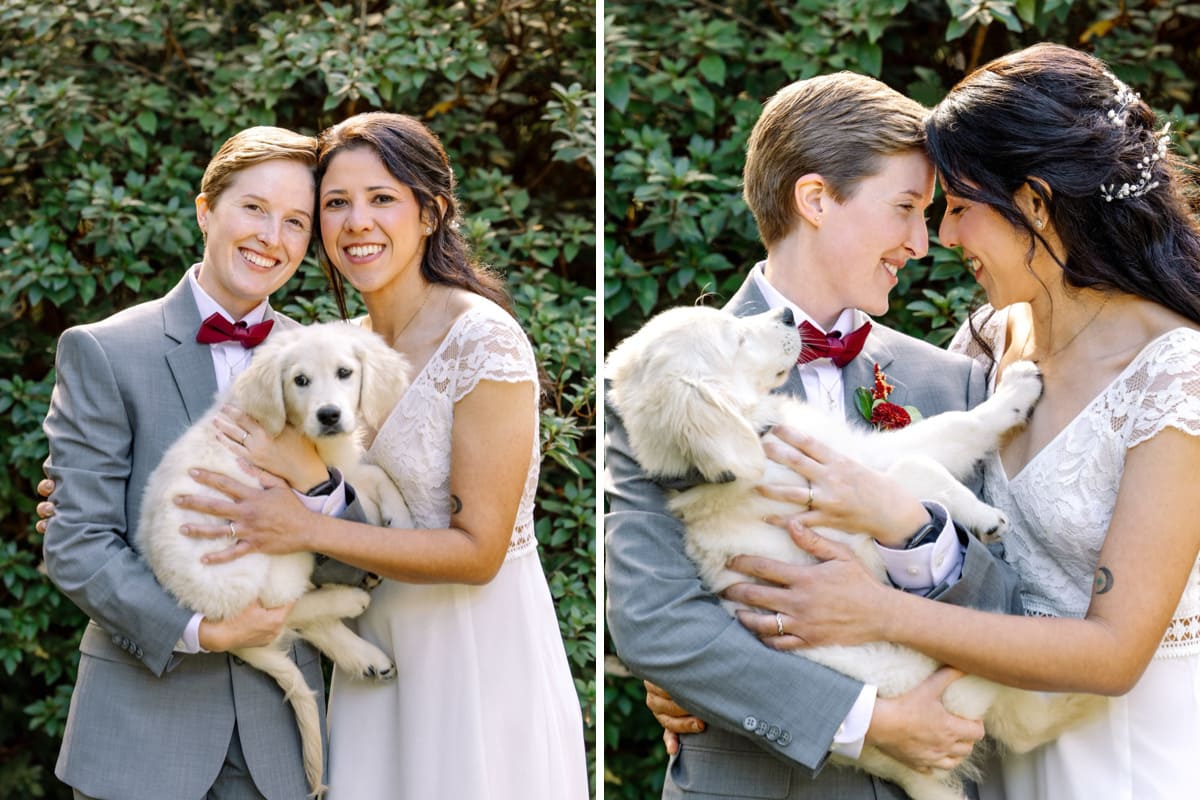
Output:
[[233, 781]]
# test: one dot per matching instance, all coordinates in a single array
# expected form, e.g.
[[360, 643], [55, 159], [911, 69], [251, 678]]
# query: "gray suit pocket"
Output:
[[702, 771]]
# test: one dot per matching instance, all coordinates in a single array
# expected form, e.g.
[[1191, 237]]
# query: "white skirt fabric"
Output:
[[1147, 747], [483, 707]]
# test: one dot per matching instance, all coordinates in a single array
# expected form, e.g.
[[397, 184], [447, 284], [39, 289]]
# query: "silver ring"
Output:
[[245, 435], [232, 530], [779, 623]]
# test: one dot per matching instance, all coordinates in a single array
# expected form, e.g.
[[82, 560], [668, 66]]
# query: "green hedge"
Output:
[[112, 109], [684, 83]]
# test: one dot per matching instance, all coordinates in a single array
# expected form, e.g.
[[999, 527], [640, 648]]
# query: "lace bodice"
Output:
[[413, 446], [1060, 504]]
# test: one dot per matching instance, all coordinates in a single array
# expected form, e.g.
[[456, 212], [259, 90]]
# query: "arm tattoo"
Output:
[[455, 504], [1103, 581]]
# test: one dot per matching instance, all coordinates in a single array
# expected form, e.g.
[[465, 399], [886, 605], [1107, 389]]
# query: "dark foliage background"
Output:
[[112, 109], [684, 83]]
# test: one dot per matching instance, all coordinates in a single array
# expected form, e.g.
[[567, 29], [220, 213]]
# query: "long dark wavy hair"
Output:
[[415, 157], [1039, 116]]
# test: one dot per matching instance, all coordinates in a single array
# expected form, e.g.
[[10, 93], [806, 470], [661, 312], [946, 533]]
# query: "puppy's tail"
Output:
[[304, 704]]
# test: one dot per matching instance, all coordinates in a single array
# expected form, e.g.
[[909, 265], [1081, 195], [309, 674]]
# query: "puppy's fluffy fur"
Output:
[[693, 387], [326, 381]]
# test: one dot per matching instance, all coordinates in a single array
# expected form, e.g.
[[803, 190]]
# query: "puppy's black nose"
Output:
[[788, 318], [329, 415]]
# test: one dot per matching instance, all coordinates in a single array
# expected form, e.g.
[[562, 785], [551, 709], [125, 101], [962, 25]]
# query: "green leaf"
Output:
[[616, 91], [137, 145], [702, 100], [864, 402], [73, 134], [147, 121], [519, 202], [712, 67]]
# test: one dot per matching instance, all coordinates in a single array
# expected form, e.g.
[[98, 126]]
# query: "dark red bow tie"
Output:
[[839, 349], [219, 329]]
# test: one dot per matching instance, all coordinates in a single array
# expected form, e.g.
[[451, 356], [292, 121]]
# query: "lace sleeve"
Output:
[[493, 347], [1166, 388]]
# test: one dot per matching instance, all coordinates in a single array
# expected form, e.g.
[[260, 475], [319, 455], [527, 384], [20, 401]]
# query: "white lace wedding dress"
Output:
[[484, 706], [1147, 747]]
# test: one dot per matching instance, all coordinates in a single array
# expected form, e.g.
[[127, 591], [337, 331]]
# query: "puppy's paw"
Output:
[[365, 660], [986, 523], [995, 534], [386, 673], [1021, 388], [345, 602]]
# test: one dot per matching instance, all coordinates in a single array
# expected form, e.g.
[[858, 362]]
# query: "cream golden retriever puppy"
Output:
[[694, 390], [326, 381]]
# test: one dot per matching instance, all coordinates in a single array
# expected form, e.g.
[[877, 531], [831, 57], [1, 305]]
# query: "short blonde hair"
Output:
[[837, 126], [254, 146]]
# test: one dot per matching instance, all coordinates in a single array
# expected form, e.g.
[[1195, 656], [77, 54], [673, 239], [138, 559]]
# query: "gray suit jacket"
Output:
[[772, 716], [146, 723]]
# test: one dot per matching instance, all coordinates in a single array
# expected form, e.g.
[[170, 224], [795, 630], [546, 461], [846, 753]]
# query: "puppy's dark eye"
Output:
[[344, 372], [300, 380]]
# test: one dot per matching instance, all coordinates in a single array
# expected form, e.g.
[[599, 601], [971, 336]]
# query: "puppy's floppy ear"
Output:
[[676, 424], [384, 378], [712, 432], [259, 389]]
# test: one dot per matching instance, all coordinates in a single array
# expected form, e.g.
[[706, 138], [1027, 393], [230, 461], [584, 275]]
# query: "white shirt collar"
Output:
[[775, 299], [208, 306]]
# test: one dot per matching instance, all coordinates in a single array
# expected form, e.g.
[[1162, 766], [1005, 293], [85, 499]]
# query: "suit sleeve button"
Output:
[[750, 723]]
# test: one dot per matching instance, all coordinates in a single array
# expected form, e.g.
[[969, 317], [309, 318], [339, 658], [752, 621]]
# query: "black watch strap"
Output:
[[929, 532], [324, 487]]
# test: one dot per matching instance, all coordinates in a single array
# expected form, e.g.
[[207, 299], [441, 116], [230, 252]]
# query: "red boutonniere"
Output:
[[874, 406]]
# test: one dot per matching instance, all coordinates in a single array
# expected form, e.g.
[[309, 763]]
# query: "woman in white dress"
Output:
[[484, 705], [1066, 201]]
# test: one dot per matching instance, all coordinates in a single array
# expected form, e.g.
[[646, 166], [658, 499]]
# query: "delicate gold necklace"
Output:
[[1065, 345], [415, 314]]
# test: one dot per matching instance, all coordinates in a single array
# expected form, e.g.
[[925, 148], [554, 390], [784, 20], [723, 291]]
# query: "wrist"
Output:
[[325, 485], [877, 728], [908, 523], [209, 636]]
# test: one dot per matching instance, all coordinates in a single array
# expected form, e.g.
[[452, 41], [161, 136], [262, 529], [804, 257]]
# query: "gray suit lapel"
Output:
[[189, 361]]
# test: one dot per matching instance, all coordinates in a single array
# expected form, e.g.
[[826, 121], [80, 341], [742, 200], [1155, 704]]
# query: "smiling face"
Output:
[[371, 223], [256, 233], [995, 251], [863, 241]]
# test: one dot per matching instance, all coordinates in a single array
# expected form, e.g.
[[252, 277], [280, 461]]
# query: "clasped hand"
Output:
[[841, 493]]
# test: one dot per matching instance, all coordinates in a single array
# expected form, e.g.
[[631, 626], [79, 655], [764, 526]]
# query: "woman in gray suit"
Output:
[[838, 182], [159, 709]]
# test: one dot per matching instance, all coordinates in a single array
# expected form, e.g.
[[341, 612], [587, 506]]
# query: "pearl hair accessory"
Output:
[[1145, 169], [1124, 99], [1118, 116]]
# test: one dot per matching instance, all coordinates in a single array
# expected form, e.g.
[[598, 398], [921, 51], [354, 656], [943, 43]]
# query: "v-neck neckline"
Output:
[[1120, 376]]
